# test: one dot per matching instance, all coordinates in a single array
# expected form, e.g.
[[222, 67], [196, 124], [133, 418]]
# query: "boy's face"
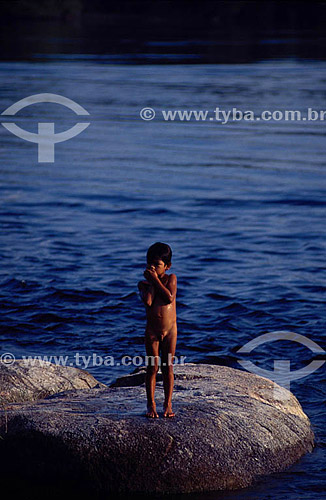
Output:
[[159, 266]]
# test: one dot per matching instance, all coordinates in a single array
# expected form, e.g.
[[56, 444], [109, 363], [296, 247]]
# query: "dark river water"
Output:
[[242, 205]]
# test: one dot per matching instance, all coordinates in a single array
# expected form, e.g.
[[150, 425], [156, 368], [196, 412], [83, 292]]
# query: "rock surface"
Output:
[[32, 380], [229, 429]]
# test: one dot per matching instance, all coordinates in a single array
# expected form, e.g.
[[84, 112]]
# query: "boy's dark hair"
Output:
[[160, 251]]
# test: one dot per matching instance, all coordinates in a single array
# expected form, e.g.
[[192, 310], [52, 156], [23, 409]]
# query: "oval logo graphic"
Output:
[[281, 374], [46, 137]]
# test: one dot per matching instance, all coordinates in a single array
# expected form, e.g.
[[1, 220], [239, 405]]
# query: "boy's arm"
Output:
[[168, 292], [147, 292]]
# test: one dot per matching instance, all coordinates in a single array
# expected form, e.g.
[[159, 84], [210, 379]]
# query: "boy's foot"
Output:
[[168, 413], [151, 412]]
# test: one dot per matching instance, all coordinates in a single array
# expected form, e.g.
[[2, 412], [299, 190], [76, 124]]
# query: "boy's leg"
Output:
[[152, 351], [168, 346]]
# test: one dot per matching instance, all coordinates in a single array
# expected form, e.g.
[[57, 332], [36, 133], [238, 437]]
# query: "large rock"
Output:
[[29, 380], [229, 429]]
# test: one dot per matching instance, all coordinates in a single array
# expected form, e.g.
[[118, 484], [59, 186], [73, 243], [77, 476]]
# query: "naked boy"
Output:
[[158, 293]]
